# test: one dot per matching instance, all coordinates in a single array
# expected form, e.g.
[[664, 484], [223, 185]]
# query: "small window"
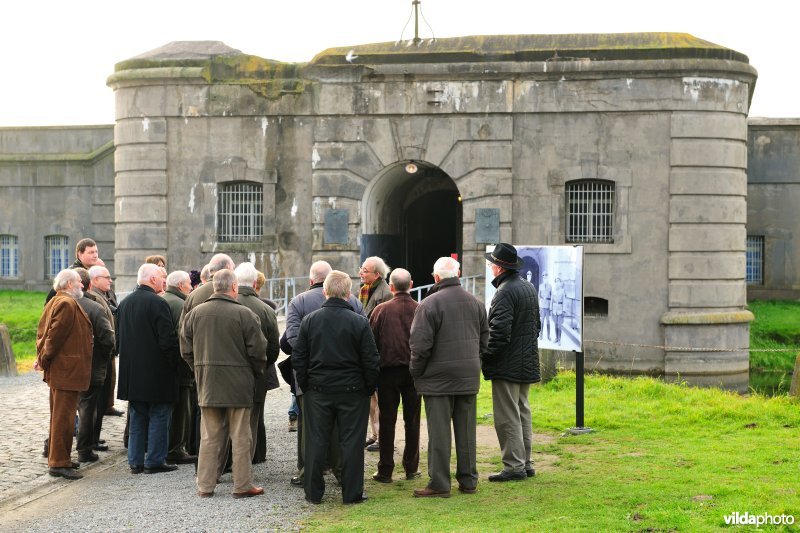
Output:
[[596, 307], [9, 256], [590, 211], [240, 208], [755, 260], [56, 255]]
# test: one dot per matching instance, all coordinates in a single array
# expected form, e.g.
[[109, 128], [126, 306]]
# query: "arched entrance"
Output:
[[411, 216]]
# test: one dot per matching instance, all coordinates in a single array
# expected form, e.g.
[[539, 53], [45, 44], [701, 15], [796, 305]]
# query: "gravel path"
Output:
[[109, 498]]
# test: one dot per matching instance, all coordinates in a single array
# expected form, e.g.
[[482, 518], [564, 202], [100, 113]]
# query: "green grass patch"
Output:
[[663, 457], [776, 327], [20, 311]]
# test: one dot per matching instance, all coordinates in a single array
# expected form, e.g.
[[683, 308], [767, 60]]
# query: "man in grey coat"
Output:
[[448, 334], [222, 341]]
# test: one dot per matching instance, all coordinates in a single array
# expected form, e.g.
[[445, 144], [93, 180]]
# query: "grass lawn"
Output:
[[776, 327], [20, 311], [663, 458]]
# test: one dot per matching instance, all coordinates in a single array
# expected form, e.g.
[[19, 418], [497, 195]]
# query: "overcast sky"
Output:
[[57, 55]]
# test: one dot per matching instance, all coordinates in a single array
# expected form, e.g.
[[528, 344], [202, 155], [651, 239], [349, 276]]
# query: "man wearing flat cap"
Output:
[[511, 361]]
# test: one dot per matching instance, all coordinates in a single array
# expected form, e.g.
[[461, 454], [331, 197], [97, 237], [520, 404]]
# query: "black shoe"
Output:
[[297, 481], [101, 441], [315, 502], [183, 459], [369, 442], [88, 457], [413, 475], [530, 472], [75, 465], [374, 447], [508, 476], [166, 467], [101, 447], [362, 499], [114, 412], [381, 479], [137, 469], [66, 473]]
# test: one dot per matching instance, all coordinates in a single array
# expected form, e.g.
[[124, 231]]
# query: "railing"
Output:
[[468, 282], [282, 290]]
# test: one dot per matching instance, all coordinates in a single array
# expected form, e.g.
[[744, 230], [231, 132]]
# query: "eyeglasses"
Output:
[[366, 270]]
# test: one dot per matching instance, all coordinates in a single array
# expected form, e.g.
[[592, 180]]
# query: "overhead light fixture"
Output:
[[411, 168]]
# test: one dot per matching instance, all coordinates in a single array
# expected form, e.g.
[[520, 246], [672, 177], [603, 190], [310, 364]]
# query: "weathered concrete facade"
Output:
[[773, 197], [55, 181], [497, 125]]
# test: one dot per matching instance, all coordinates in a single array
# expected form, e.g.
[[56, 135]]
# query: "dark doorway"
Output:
[[412, 216], [432, 230]]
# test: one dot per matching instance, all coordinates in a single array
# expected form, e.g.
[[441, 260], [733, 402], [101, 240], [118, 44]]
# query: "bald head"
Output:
[[400, 280]]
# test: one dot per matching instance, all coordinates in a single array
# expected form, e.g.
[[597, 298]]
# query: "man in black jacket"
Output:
[[511, 361], [148, 375], [337, 366]]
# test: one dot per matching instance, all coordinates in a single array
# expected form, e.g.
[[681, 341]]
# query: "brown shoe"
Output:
[[255, 491], [205, 494], [428, 492]]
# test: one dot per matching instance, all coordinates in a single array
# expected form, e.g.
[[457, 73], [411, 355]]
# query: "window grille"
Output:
[[9, 256], [56, 255], [240, 210], [755, 260], [590, 211]]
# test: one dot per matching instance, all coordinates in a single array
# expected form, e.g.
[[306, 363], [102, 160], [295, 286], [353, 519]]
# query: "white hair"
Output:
[[97, 270], [146, 271], [218, 262], [446, 267], [63, 279], [176, 278], [319, 271], [379, 265], [246, 274]]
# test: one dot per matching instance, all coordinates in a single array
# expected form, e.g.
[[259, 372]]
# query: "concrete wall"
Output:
[[669, 133], [56, 181], [773, 197]]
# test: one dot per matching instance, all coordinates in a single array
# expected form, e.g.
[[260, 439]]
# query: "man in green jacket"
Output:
[[222, 341]]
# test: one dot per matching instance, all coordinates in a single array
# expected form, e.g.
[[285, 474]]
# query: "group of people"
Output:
[[551, 308], [354, 355]]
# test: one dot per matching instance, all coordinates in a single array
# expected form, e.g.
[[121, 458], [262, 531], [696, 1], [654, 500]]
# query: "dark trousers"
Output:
[[452, 418], [350, 410], [259, 435], [334, 453], [88, 416], [109, 384], [181, 425], [395, 383]]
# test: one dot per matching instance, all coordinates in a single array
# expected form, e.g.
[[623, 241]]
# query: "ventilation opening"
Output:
[[595, 307]]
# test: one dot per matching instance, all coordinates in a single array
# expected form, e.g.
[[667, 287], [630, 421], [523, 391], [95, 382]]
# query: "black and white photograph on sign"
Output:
[[557, 274]]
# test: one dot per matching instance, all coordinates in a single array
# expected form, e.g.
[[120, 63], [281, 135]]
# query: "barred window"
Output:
[[755, 260], [590, 211], [9, 256], [240, 208], [56, 255]]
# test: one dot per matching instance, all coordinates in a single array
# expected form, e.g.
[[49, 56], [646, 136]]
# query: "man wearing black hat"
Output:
[[511, 361]]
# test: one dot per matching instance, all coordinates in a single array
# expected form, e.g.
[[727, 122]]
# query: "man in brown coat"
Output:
[[449, 332], [391, 326], [64, 352]]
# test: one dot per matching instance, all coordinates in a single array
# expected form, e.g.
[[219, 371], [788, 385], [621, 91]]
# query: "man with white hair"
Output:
[[148, 378], [448, 334], [100, 285], [204, 292], [336, 362], [64, 352], [179, 285], [247, 276], [374, 291]]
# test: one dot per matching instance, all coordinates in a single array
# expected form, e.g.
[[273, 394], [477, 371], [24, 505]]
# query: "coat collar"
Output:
[[503, 277], [338, 302], [176, 292], [444, 283], [220, 296], [247, 291]]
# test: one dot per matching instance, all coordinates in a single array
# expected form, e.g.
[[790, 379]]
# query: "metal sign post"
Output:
[[579, 428]]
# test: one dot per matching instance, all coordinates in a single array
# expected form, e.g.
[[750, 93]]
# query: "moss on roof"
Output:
[[483, 48]]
